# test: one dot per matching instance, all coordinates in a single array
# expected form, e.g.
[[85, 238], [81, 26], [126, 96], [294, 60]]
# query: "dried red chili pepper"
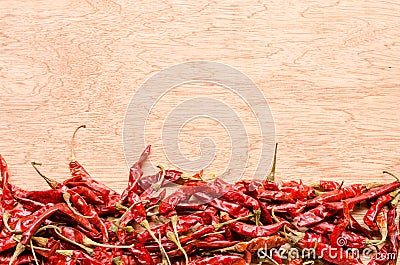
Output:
[[314, 216], [339, 194], [340, 228], [327, 185], [393, 229], [370, 194], [219, 260], [371, 214], [253, 230]]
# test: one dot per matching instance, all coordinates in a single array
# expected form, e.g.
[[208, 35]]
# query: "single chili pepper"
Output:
[[382, 256], [370, 215], [46, 196], [219, 260], [89, 195], [341, 227], [168, 205], [30, 204], [266, 217], [314, 216], [190, 206], [253, 230], [233, 209], [7, 200], [258, 243], [393, 229], [141, 254], [274, 196], [355, 226], [135, 173], [297, 191], [7, 243], [382, 223], [370, 194], [339, 194], [23, 259], [327, 185], [293, 209]]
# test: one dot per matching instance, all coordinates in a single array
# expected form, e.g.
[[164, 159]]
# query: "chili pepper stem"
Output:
[[271, 176], [171, 236], [174, 222], [51, 182], [218, 226], [33, 252], [67, 199], [391, 174], [156, 186], [73, 157], [145, 224], [6, 217], [67, 253], [88, 250], [257, 215], [18, 250]]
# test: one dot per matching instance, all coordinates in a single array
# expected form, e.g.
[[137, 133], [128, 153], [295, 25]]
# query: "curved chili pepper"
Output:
[[297, 190], [273, 195], [370, 215], [89, 195], [141, 254], [340, 228], [135, 173]]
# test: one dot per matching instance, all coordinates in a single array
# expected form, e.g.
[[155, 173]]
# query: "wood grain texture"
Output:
[[329, 69]]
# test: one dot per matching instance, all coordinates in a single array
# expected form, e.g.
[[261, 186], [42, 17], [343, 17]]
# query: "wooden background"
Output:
[[330, 71]]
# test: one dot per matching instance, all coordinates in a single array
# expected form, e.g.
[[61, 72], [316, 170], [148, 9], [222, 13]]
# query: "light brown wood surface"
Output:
[[330, 71]]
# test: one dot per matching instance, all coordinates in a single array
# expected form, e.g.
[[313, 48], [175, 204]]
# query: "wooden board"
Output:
[[329, 70]]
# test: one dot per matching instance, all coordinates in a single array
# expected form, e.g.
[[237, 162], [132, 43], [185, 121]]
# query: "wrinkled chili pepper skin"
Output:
[[253, 230], [393, 232], [7, 243], [340, 228], [328, 185], [370, 215], [258, 243], [351, 239], [219, 260], [370, 194], [314, 216], [339, 194], [141, 254]]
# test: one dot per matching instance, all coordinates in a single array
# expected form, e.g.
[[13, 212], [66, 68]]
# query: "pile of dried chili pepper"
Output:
[[82, 221]]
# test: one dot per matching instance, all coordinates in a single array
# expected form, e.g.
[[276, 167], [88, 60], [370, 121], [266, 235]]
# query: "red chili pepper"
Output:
[[355, 226], [135, 174], [370, 194], [141, 254], [274, 196], [393, 231], [327, 185], [340, 228], [350, 239], [297, 190], [339, 194], [258, 243], [253, 230], [314, 216], [371, 214], [293, 209], [89, 195], [219, 260]]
